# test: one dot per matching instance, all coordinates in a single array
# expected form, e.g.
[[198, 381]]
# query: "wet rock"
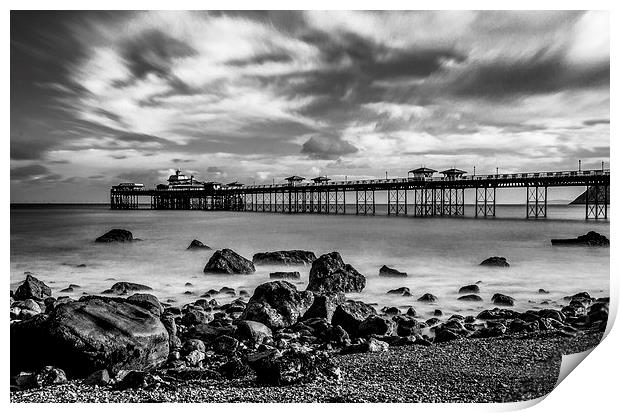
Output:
[[329, 274], [350, 314], [26, 380], [277, 304], [438, 313], [428, 298], [234, 368], [591, 239], [147, 301], [122, 288], [292, 366], [496, 314], [404, 291], [432, 321], [227, 261], [49, 376], [386, 271], [542, 291], [495, 262], [90, 334], [372, 345], [171, 327], [208, 333], [470, 297], [289, 257], [225, 345], [193, 316], [501, 299], [445, 335], [390, 310], [324, 306], [253, 331], [407, 325], [32, 288], [197, 245], [98, 378], [375, 324], [116, 235], [553, 314], [470, 289], [285, 275], [411, 312], [67, 290], [194, 358]]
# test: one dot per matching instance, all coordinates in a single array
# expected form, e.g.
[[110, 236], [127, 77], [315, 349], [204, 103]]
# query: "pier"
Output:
[[419, 195]]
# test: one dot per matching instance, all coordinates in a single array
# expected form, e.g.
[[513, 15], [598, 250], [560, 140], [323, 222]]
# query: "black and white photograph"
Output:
[[306, 206]]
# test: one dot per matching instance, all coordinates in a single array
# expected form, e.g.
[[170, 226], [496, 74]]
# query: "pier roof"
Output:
[[294, 178], [453, 171], [235, 184], [422, 170], [321, 179]]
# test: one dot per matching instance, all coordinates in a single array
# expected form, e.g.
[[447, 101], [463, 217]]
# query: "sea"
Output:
[[440, 255]]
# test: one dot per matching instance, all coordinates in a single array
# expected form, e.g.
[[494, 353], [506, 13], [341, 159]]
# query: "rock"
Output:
[[67, 290], [208, 333], [195, 316], [372, 345], [227, 261], [285, 275], [438, 312], [444, 335], [390, 310], [411, 312], [32, 288], [469, 289], [428, 298], [289, 257], [350, 314], [225, 345], [542, 291], [496, 314], [470, 297], [147, 301], [235, 368], [374, 324], [90, 334], [26, 380], [501, 299], [386, 271], [404, 291], [137, 380], [324, 306], [122, 288], [194, 358], [253, 330], [329, 274], [277, 304], [495, 262], [591, 239], [116, 235], [291, 366], [98, 378], [197, 245], [49, 376], [28, 304]]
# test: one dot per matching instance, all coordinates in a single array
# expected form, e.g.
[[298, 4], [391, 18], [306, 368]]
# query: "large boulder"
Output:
[[501, 299], [350, 314], [285, 275], [197, 245], [116, 235], [253, 331], [292, 366], [495, 262], [123, 287], [469, 289], [277, 304], [32, 288], [386, 271], [227, 261], [90, 334], [329, 274], [147, 301], [591, 239], [324, 306], [290, 257], [374, 324]]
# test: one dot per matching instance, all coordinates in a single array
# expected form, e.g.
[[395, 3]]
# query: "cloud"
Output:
[[323, 147]]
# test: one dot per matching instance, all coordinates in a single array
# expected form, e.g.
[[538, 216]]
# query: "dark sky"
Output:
[[103, 97]]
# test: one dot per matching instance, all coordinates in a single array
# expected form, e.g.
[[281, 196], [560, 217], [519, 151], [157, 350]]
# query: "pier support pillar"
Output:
[[596, 202], [485, 201], [397, 201], [536, 206]]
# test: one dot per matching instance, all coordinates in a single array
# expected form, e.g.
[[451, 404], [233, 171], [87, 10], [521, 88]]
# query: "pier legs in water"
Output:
[[485, 202], [536, 203], [596, 202]]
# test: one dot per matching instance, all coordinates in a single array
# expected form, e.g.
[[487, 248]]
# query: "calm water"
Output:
[[440, 254]]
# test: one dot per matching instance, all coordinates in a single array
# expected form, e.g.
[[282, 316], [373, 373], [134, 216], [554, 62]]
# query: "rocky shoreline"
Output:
[[284, 344]]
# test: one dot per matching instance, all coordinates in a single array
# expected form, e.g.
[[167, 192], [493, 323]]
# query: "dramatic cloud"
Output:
[[98, 97]]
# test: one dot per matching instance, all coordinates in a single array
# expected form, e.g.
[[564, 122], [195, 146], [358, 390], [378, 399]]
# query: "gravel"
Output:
[[506, 369]]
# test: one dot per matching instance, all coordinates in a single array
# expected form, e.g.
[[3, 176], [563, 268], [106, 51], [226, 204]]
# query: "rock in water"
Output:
[[285, 275], [350, 314], [428, 298], [32, 288], [227, 261], [501, 299], [124, 287], [116, 235], [591, 239], [404, 291], [90, 334], [289, 257], [386, 271], [469, 289], [147, 301], [197, 245], [495, 262], [329, 274], [277, 304], [470, 297]]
